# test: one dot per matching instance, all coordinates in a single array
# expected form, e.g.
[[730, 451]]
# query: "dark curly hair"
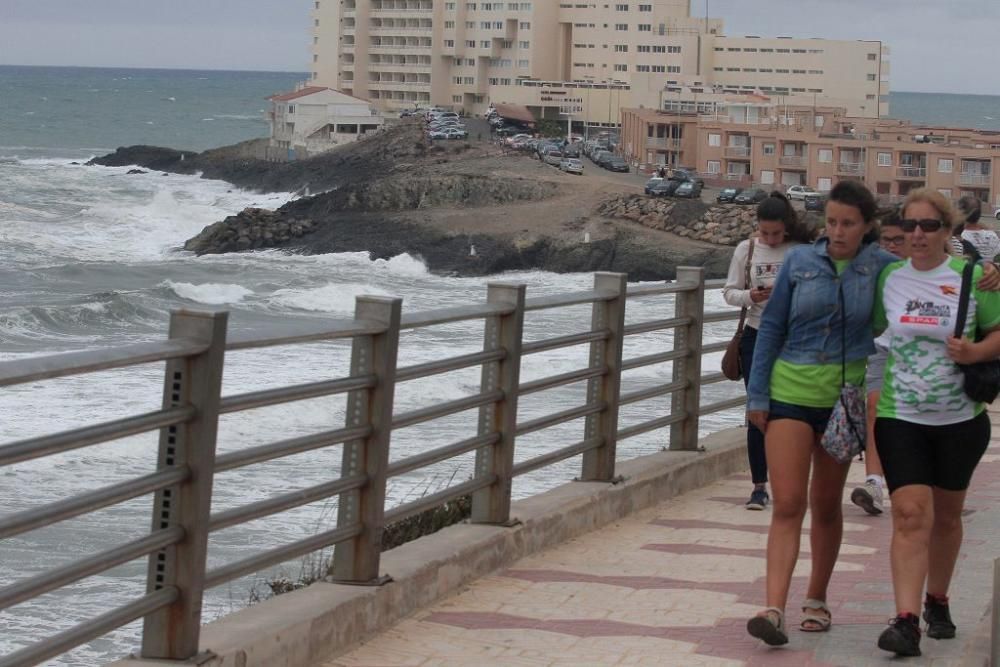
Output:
[[777, 207]]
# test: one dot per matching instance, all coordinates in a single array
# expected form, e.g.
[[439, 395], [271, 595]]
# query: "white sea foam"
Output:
[[331, 298], [210, 293]]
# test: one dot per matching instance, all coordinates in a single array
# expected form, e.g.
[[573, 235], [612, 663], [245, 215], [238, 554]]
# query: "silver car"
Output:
[[571, 165]]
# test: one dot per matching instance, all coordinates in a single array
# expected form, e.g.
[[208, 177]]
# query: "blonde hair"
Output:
[[940, 203]]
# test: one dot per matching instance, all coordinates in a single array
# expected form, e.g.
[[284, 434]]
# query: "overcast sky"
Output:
[[937, 45]]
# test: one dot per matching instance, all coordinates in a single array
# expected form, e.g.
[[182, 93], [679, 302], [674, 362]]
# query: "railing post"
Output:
[[689, 303], [599, 463], [995, 617], [492, 504], [357, 561], [172, 633]]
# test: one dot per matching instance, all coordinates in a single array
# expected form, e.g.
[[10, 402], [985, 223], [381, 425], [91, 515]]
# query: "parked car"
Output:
[[615, 163], [553, 157], [815, 202], [651, 182], [684, 174], [688, 189], [456, 133], [664, 188], [996, 214], [727, 195], [799, 191], [571, 165], [597, 157], [754, 196]]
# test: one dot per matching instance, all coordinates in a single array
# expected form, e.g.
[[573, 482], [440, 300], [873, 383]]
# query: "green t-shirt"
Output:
[[814, 385], [917, 310]]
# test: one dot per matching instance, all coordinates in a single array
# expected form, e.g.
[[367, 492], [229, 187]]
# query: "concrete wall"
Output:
[[317, 623]]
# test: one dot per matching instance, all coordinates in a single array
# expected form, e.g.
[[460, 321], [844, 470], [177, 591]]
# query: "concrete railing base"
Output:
[[318, 623]]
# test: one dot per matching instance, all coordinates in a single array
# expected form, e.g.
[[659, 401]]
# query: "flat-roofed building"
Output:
[[542, 53], [760, 141]]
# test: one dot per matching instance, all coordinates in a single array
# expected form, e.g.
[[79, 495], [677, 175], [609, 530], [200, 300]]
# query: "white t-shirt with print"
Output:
[[985, 241], [764, 267], [917, 309]]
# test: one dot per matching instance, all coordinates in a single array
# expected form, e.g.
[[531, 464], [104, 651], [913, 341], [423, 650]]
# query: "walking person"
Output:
[[930, 434], [752, 272], [869, 496], [972, 238], [815, 335]]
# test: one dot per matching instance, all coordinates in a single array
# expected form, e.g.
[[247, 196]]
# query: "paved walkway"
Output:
[[674, 585]]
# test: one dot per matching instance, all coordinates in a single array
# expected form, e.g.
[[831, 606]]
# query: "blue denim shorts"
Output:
[[815, 417]]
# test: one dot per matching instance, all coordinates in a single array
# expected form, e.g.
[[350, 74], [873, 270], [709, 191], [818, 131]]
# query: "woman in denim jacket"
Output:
[[795, 381]]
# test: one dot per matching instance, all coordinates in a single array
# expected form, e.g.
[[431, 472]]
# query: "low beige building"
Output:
[[315, 119], [577, 58], [755, 140]]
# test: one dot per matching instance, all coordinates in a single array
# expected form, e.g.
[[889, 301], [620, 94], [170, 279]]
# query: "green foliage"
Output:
[[551, 128]]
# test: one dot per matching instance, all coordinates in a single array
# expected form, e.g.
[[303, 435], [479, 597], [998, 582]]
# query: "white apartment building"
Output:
[[585, 59], [315, 119]]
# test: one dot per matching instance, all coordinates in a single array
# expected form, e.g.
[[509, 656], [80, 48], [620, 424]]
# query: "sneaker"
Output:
[[758, 500], [938, 617], [902, 637], [868, 498]]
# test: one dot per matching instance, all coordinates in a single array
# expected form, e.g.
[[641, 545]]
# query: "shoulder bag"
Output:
[[982, 380], [844, 437], [732, 367]]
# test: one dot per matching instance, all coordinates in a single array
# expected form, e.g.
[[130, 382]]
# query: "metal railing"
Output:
[[182, 484]]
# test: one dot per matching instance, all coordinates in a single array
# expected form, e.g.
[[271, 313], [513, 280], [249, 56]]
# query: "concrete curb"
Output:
[[320, 622]]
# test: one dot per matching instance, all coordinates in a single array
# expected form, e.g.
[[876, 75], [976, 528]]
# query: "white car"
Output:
[[571, 165], [800, 191], [996, 214]]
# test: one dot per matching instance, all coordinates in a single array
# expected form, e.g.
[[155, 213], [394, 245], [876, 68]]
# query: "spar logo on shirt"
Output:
[[926, 313]]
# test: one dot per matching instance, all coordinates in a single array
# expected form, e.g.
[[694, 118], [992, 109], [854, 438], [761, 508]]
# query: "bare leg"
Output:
[[789, 446], [826, 495], [873, 464], [912, 520], [945, 539]]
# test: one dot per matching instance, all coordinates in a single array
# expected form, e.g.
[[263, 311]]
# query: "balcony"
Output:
[[979, 180], [912, 172], [663, 142], [738, 152], [854, 168], [799, 161]]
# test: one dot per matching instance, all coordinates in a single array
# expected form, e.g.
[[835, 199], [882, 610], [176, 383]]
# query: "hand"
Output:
[[990, 282], [760, 294], [963, 350], [759, 419]]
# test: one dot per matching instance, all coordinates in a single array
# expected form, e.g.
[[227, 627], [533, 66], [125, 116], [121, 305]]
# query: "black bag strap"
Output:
[[746, 281], [964, 296]]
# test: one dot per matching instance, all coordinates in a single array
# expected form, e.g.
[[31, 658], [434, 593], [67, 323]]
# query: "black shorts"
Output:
[[942, 456]]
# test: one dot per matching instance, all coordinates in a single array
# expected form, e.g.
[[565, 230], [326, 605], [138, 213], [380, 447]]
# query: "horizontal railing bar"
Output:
[[429, 318], [77, 570], [411, 463], [650, 425], [568, 299], [64, 641], [650, 359], [715, 283], [235, 570], [652, 392], [91, 361], [442, 409], [560, 380], [22, 522], [45, 445], [715, 347], [713, 378], [656, 325], [425, 503], [328, 330], [723, 405], [559, 418], [721, 316], [547, 344], [276, 450], [300, 392], [546, 460], [639, 291], [446, 365], [285, 501]]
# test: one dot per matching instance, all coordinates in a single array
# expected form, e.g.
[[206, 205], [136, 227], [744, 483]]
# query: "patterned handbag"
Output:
[[844, 437]]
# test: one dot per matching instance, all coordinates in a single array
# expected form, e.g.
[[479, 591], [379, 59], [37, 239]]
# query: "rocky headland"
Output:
[[464, 208]]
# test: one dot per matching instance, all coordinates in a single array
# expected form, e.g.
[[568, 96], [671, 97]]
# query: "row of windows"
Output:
[[490, 6], [736, 49], [642, 8], [673, 69], [768, 70]]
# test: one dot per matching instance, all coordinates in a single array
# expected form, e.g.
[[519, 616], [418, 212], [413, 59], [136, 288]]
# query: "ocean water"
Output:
[[90, 258]]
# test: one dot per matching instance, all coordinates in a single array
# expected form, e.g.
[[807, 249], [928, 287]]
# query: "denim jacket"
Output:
[[801, 322]]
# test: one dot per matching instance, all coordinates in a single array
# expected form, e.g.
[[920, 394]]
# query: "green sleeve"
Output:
[[878, 316], [987, 305]]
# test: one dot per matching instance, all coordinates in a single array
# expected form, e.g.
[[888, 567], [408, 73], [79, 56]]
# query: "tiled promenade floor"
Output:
[[674, 585]]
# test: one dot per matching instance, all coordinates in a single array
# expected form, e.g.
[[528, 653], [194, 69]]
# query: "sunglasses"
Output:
[[927, 226]]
